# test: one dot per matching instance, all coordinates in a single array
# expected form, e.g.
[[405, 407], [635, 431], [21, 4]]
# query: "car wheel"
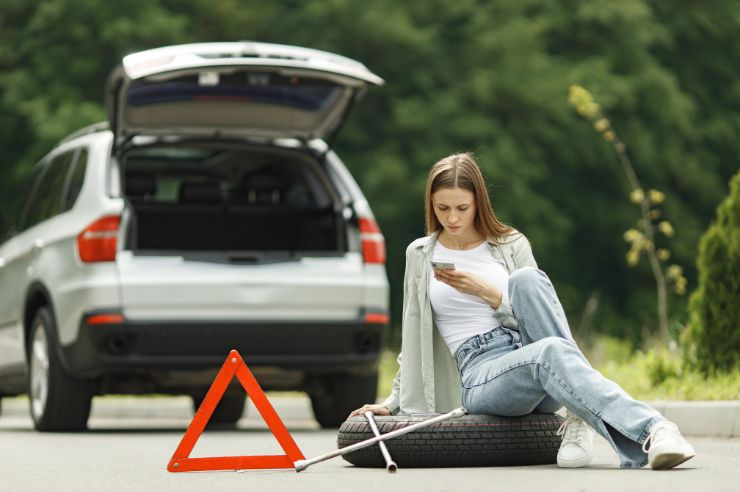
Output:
[[334, 396], [470, 440], [58, 402], [228, 411]]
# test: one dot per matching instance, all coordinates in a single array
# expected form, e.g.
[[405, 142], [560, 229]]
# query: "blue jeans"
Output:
[[540, 369]]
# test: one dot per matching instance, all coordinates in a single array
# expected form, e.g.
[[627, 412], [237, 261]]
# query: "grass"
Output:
[[657, 373], [650, 374], [386, 372]]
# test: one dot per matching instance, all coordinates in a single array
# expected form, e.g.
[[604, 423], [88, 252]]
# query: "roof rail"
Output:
[[94, 128]]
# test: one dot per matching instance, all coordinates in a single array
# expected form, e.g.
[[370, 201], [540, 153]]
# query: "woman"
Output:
[[491, 333]]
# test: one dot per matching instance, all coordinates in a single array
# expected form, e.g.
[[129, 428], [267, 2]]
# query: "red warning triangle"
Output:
[[234, 366]]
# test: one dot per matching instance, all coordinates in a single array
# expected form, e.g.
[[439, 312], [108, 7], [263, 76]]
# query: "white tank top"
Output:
[[459, 316]]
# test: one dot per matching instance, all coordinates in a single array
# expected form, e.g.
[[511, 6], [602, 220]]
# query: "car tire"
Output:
[[334, 396], [228, 411], [58, 402], [470, 440]]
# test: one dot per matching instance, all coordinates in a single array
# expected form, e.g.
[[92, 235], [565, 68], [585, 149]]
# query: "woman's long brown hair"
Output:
[[462, 171]]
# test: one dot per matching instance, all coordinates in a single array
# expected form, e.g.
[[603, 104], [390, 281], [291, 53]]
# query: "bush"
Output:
[[660, 366], [659, 374], [712, 339]]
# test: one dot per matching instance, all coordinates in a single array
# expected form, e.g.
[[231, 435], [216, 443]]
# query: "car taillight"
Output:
[[98, 241], [105, 319], [373, 242], [379, 318]]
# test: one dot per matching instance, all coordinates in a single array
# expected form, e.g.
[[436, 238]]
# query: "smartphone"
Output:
[[443, 265]]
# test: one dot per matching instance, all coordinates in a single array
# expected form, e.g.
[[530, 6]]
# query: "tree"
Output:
[[490, 77], [712, 341]]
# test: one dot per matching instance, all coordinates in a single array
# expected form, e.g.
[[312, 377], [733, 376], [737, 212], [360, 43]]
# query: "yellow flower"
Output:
[[656, 196], [601, 124], [578, 95], [633, 256], [583, 101], [680, 287], [674, 272], [666, 228], [632, 235], [646, 244], [663, 254], [637, 195], [609, 136]]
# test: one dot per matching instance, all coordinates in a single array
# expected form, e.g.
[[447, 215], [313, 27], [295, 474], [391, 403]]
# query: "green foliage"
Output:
[[607, 348], [659, 376], [386, 372], [712, 340], [658, 373], [491, 77], [660, 366]]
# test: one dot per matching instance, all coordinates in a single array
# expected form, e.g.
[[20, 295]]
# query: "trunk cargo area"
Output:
[[234, 232], [246, 203]]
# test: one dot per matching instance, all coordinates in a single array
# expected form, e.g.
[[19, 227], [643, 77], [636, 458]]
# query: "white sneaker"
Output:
[[668, 448], [577, 448]]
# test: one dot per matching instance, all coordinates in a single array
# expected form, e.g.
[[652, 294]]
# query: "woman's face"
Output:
[[455, 210]]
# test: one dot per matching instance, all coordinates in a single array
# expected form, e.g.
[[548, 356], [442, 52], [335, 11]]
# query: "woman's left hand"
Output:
[[469, 283]]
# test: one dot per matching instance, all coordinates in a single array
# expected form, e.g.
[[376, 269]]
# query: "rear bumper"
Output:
[[138, 347]]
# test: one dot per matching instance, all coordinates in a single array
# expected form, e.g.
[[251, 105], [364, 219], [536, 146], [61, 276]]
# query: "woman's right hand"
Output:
[[376, 409]]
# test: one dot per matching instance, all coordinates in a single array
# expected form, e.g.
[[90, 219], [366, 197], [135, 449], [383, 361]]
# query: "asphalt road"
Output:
[[131, 440]]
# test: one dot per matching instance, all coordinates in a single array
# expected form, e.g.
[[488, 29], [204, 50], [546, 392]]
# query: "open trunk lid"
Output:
[[234, 90]]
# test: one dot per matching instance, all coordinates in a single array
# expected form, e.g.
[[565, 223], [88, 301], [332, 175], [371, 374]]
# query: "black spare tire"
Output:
[[470, 440]]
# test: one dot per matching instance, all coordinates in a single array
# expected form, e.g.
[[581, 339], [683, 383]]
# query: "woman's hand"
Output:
[[376, 409], [470, 283]]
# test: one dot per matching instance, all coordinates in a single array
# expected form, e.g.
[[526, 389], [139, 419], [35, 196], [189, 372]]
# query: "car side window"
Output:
[[15, 212], [75, 179], [48, 194]]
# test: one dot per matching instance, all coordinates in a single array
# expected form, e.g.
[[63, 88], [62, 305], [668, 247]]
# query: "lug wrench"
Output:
[[301, 465], [390, 465]]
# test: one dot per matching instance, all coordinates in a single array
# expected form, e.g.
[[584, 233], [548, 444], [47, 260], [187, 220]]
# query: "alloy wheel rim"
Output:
[[39, 371]]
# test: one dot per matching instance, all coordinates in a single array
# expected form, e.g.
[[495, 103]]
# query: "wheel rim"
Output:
[[39, 371]]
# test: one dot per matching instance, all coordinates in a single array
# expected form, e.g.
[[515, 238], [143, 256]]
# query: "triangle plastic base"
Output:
[[234, 366]]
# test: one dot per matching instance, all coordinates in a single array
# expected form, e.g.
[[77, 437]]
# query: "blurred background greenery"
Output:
[[491, 77]]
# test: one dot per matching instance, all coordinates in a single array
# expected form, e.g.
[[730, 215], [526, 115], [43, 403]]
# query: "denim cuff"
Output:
[[648, 427]]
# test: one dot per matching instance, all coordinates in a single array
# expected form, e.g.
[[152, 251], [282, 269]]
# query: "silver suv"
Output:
[[208, 213]]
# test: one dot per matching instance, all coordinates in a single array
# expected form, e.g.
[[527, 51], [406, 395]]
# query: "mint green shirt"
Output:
[[427, 380]]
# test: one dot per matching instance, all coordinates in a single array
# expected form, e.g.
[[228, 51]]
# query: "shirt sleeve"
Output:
[[522, 256], [505, 315], [523, 253], [393, 401]]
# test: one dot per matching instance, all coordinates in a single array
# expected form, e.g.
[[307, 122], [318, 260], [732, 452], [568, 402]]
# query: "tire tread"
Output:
[[471, 440]]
